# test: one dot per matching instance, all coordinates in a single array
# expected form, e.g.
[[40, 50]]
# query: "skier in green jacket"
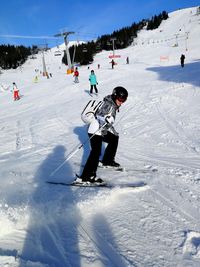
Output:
[[93, 82]]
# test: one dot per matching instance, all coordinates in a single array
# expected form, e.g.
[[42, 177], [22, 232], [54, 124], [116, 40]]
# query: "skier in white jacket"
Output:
[[105, 117]]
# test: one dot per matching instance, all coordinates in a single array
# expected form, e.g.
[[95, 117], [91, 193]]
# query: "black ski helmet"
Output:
[[120, 93]]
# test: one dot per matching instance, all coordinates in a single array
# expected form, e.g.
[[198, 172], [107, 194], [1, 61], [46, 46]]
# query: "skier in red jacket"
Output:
[[16, 92], [76, 74]]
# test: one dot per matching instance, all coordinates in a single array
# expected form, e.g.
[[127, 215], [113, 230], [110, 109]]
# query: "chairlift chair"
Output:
[[57, 53]]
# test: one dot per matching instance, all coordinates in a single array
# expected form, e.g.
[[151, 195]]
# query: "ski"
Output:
[[120, 169], [123, 169], [128, 169], [95, 185]]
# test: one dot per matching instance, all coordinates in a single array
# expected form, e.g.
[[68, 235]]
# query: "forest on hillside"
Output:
[[12, 56]]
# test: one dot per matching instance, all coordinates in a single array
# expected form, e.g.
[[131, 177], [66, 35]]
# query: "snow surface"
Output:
[[159, 126]]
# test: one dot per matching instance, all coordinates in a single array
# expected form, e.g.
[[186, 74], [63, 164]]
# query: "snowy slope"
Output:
[[57, 226]]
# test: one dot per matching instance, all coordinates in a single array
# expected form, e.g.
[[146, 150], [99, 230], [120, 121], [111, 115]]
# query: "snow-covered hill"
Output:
[[57, 226]]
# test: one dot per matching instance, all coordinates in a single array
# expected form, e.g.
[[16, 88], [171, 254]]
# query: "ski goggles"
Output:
[[120, 99]]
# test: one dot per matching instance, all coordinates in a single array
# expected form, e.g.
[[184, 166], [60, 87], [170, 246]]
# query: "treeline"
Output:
[[155, 21], [84, 53], [12, 56]]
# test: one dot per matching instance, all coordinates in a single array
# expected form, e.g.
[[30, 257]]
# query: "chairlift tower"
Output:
[[186, 38], [198, 10], [176, 39], [44, 48], [45, 73], [65, 35], [113, 44]]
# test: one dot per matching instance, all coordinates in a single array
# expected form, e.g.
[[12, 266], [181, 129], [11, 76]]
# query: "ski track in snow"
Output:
[[176, 129]]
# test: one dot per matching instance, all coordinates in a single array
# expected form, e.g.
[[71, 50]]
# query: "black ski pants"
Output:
[[91, 165], [95, 88]]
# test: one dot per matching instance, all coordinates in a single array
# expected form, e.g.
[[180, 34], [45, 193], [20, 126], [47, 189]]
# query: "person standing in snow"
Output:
[[182, 59], [127, 60], [16, 92], [76, 75], [93, 82], [112, 63], [101, 130]]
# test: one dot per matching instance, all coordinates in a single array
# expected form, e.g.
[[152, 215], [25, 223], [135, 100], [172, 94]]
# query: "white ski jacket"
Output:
[[105, 115]]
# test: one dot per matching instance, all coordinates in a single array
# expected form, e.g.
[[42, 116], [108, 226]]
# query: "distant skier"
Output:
[[36, 79], [76, 75], [93, 82], [127, 60], [182, 59], [16, 92], [101, 130], [112, 63]]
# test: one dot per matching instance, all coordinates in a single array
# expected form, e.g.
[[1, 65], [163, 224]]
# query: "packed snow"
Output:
[[159, 127]]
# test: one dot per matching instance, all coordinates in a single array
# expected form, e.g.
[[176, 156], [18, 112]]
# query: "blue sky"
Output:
[[21, 20]]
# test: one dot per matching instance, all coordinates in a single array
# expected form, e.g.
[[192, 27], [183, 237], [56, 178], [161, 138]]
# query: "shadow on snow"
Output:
[[106, 244], [188, 74], [52, 231]]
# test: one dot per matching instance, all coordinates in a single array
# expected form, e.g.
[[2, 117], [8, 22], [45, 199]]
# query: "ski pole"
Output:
[[75, 151]]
